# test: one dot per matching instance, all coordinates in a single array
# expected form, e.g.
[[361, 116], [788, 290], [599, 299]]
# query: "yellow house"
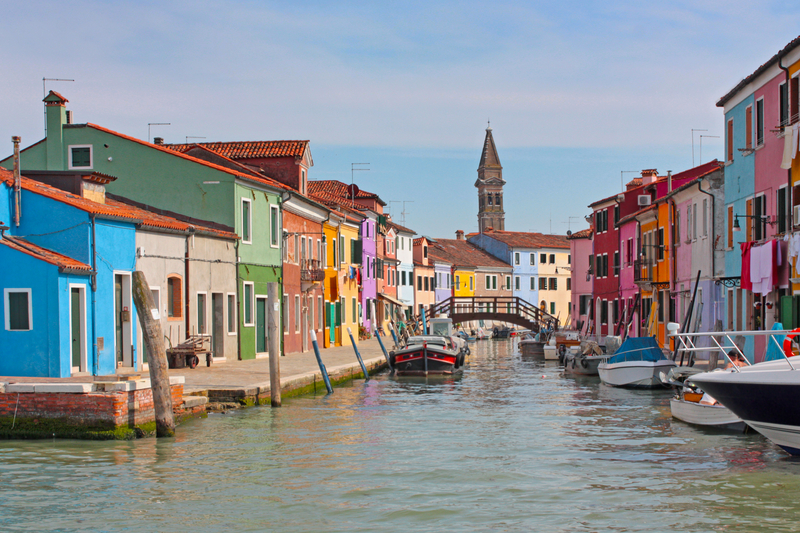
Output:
[[349, 256], [655, 274], [331, 261], [463, 281]]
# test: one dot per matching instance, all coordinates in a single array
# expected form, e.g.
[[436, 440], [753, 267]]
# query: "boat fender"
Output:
[[391, 358], [787, 342], [584, 362]]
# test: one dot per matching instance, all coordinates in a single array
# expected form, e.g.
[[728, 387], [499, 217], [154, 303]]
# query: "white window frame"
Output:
[[69, 156], [84, 357], [252, 286], [298, 315], [272, 230], [285, 312], [756, 144], [320, 313], [249, 221], [205, 311]]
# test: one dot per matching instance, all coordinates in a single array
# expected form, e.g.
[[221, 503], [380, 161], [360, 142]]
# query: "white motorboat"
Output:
[[639, 363], [692, 406], [763, 395]]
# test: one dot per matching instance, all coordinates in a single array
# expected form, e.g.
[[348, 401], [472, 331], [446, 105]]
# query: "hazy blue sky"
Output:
[[576, 91]]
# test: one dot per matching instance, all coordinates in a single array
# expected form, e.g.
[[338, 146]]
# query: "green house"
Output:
[[228, 194]]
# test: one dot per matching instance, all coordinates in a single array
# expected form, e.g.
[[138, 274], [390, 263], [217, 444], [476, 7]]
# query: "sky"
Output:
[[579, 94]]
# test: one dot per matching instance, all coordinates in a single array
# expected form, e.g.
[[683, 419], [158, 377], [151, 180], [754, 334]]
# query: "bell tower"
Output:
[[490, 187]]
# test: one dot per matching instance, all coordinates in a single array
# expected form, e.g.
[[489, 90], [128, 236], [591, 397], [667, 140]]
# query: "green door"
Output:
[[77, 326], [331, 322], [261, 325]]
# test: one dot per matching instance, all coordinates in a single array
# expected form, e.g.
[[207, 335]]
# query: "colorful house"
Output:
[[404, 253], [580, 248], [424, 275]]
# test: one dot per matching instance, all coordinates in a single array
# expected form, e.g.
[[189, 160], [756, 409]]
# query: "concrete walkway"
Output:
[[248, 381]]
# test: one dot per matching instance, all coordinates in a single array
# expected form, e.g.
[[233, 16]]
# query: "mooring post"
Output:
[[424, 322], [320, 363], [358, 355], [157, 356], [273, 336], [394, 334], [383, 348]]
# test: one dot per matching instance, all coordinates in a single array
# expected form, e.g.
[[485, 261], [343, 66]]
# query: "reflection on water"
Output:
[[512, 445]]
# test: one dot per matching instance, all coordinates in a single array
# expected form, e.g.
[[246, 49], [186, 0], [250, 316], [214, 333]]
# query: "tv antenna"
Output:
[[44, 95], [155, 124], [622, 178], [569, 222], [700, 155], [354, 168], [701, 142]]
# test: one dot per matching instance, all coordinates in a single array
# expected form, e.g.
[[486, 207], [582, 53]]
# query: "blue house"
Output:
[[68, 265]]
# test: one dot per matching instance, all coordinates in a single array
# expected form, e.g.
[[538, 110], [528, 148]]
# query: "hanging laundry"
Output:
[[794, 251], [762, 259], [786, 163], [795, 137], [745, 282]]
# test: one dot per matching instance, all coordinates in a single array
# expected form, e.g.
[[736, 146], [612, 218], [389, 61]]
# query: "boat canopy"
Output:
[[638, 349]]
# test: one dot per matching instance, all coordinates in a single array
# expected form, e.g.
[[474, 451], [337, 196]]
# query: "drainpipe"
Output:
[[95, 354], [186, 286], [789, 170], [17, 181], [713, 242], [239, 302]]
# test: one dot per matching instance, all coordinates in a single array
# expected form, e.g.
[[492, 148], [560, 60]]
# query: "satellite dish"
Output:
[[569, 233], [352, 190]]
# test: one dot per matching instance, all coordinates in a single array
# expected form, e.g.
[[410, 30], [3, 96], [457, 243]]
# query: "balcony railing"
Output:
[[311, 270], [643, 271]]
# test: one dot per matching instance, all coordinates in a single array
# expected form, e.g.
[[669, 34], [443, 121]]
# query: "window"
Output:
[[431, 283], [249, 301], [275, 226], [174, 297], [516, 282], [80, 156], [552, 308], [748, 127], [616, 263], [201, 313], [286, 313], [533, 258], [784, 105], [794, 92], [402, 277], [470, 283], [730, 226], [247, 221], [425, 251], [676, 231], [760, 221], [296, 248], [569, 284], [781, 203], [543, 258], [458, 282], [604, 312], [553, 284], [341, 250], [297, 313], [231, 313], [660, 244], [516, 258], [729, 141], [489, 197], [542, 284], [18, 312], [508, 283], [705, 217], [426, 283], [552, 259], [355, 310], [335, 249], [569, 259], [616, 213], [419, 283], [321, 311], [760, 122], [533, 283]]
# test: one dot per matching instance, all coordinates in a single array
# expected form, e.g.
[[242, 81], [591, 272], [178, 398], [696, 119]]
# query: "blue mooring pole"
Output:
[[424, 323], [394, 334], [385, 353], [320, 363], [358, 355]]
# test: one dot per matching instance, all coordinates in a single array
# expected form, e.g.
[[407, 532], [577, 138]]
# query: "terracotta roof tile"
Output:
[[518, 239], [249, 149], [398, 227], [582, 234], [463, 253], [54, 258]]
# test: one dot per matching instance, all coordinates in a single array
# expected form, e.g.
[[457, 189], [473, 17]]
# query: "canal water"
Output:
[[513, 445]]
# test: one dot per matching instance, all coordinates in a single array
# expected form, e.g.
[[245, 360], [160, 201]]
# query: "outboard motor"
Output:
[[562, 353]]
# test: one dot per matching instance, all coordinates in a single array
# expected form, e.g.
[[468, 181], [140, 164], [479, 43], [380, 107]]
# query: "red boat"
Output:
[[428, 355]]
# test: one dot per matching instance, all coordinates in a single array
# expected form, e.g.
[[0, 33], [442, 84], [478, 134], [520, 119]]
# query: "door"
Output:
[[218, 324], [123, 325], [118, 317], [77, 327], [261, 325], [332, 323], [306, 319]]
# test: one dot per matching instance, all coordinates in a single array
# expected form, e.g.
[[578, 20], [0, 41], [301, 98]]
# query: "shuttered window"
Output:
[[748, 125], [18, 309]]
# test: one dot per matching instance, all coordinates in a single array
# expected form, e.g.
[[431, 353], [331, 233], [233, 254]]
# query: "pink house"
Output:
[[580, 245]]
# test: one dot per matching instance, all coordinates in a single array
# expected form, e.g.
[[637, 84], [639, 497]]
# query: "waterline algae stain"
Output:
[[510, 446]]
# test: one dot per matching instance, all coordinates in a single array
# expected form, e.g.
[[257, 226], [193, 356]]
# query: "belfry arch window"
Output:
[[489, 197], [497, 199]]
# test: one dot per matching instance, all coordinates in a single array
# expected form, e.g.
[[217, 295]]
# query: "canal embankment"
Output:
[[121, 406]]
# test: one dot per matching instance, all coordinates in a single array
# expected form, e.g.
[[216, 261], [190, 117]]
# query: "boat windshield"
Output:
[[440, 328]]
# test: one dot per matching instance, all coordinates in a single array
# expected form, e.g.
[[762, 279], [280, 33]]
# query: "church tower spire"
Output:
[[490, 187]]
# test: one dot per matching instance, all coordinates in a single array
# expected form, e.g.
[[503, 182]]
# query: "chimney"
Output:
[[459, 235], [17, 181], [69, 117], [158, 140], [56, 117], [649, 176]]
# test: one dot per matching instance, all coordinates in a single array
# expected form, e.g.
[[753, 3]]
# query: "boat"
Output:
[[440, 353], [464, 335], [501, 333], [693, 406], [582, 364], [639, 363], [763, 395], [481, 335], [531, 347]]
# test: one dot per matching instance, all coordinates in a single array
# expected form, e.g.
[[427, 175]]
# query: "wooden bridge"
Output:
[[511, 309]]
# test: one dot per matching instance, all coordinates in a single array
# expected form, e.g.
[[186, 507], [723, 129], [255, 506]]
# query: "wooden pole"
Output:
[[273, 331], [154, 341]]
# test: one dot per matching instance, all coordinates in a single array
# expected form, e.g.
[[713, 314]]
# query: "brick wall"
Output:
[[117, 408]]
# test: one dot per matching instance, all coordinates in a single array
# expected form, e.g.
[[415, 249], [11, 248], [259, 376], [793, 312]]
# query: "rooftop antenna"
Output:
[[192, 137], [569, 222], [155, 124], [700, 155], [403, 213], [44, 95], [353, 170], [622, 178], [694, 130]]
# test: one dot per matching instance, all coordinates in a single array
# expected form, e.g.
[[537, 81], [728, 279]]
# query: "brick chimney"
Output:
[[56, 117], [158, 140], [460, 235], [649, 176]]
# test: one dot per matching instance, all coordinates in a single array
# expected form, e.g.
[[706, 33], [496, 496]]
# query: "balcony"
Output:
[[643, 272], [311, 270]]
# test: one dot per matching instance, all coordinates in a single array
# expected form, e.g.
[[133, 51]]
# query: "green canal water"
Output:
[[511, 446]]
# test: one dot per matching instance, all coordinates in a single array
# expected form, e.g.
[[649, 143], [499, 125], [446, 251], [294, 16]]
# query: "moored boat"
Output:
[[582, 364], [639, 363], [440, 353]]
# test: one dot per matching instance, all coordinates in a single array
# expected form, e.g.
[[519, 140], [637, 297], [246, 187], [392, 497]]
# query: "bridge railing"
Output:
[[493, 305]]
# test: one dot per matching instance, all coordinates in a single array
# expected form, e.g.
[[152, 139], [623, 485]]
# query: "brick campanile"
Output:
[[490, 187]]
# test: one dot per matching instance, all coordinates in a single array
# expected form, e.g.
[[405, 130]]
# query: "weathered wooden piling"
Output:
[[154, 342], [273, 332]]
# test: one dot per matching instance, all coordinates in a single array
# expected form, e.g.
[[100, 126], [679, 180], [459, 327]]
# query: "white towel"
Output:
[[787, 148], [795, 136]]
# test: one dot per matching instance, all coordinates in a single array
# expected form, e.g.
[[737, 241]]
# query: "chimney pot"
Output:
[[158, 140], [460, 235]]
